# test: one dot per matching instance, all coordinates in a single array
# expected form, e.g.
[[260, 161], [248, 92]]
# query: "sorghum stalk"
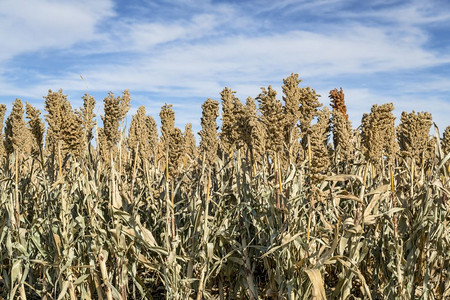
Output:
[[205, 238], [341, 126], [320, 160], [115, 110], [57, 108], [17, 137], [152, 137], [446, 144], [309, 108], [172, 140], [253, 133], [137, 135], [273, 119], [291, 110], [102, 258]]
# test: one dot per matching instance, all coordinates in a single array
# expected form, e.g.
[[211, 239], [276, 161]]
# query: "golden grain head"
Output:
[[176, 152], [378, 134], [115, 110], [291, 98], [87, 116], [167, 116], [55, 104], [2, 117], [17, 135], [446, 140], [208, 134], [318, 142], [272, 118], [72, 132], [413, 133], [190, 144], [309, 107], [229, 135], [36, 127], [152, 134], [253, 132]]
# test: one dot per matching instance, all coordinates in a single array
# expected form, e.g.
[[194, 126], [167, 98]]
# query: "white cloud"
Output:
[[294, 6], [200, 68], [142, 36], [409, 13], [28, 26]]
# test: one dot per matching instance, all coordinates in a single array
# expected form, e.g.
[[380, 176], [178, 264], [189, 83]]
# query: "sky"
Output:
[[184, 51]]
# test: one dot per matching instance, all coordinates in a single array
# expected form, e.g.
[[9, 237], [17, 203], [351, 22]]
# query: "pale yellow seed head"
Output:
[[208, 134]]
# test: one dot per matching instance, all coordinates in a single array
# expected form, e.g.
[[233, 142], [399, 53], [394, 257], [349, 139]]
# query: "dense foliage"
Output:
[[271, 207]]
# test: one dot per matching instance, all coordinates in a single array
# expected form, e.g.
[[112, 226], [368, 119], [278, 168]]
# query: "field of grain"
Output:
[[287, 200]]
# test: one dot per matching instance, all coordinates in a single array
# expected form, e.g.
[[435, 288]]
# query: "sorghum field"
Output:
[[286, 200]]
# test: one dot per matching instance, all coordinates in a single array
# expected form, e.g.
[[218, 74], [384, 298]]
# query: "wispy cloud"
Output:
[[35, 25], [407, 12], [200, 68]]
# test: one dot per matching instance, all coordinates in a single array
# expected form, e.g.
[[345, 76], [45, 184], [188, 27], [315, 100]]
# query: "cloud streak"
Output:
[[28, 26], [199, 68]]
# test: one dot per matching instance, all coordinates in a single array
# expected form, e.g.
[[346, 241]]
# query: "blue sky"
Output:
[[182, 52]]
